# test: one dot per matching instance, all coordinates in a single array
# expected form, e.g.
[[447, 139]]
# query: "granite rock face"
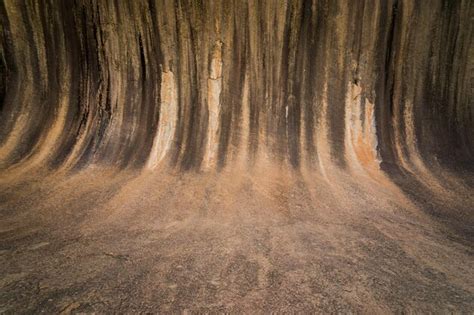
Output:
[[199, 83], [236, 156]]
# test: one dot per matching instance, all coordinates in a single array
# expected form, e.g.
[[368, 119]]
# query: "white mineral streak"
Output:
[[352, 124], [214, 87], [245, 124], [360, 132], [322, 144], [167, 122]]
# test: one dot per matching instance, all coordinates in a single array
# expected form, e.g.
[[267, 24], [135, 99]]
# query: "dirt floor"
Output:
[[100, 241]]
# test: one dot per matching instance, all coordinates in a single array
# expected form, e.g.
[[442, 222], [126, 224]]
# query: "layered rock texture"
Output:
[[237, 155]]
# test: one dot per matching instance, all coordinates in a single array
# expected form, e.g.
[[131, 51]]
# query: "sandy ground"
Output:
[[101, 241]]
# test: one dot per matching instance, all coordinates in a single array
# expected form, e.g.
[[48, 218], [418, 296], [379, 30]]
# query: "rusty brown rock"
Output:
[[306, 155]]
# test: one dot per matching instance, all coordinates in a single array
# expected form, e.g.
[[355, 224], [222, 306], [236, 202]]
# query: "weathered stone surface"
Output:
[[241, 155], [87, 81]]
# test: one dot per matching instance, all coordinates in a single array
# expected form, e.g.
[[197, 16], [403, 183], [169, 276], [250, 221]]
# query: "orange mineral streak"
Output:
[[366, 142]]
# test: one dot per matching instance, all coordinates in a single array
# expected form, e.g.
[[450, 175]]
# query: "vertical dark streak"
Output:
[[384, 88]]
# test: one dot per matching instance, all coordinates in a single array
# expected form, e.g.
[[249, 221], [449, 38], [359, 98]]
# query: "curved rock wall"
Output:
[[203, 84], [236, 156]]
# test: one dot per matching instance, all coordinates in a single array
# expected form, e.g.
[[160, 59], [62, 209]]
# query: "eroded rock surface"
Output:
[[246, 156]]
